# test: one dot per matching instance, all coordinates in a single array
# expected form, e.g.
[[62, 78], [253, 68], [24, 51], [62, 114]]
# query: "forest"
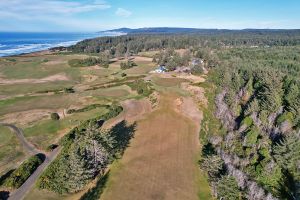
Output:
[[251, 147]]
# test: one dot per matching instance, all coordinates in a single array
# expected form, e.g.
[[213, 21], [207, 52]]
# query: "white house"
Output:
[[160, 69]]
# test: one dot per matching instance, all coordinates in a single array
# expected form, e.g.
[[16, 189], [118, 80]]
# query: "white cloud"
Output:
[[38, 14], [121, 12], [24, 9]]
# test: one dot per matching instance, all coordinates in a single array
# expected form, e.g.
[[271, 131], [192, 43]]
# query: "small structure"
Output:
[[196, 61], [160, 69]]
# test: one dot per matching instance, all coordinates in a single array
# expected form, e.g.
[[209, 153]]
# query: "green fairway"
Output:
[[46, 132], [11, 151]]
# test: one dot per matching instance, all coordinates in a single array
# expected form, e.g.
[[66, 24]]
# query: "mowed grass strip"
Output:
[[10, 149], [38, 67], [168, 82], [25, 103], [161, 162], [46, 132]]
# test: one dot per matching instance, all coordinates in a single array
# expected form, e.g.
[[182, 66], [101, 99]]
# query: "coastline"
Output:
[[61, 42]]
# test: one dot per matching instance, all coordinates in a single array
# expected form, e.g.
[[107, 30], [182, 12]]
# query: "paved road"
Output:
[[20, 193], [19, 133]]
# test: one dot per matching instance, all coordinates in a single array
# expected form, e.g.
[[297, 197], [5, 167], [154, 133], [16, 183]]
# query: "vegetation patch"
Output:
[[127, 65], [87, 151], [24, 171], [143, 88], [91, 61], [87, 108]]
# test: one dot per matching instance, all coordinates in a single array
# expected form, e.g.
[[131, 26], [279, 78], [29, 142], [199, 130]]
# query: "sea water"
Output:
[[15, 43]]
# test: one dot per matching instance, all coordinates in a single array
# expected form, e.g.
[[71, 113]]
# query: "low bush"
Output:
[[69, 90], [123, 75], [51, 147], [54, 116], [286, 116], [143, 88], [127, 65], [87, 150], [87, 108], [24, 171], [197, 70], [91, 61]]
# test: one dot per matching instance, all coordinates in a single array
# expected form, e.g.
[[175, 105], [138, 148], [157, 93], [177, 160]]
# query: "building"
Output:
[[160, 69]]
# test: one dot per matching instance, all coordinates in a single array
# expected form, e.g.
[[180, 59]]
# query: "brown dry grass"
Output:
[[52, 78], [133, 110], [160, 80], [161, 160]]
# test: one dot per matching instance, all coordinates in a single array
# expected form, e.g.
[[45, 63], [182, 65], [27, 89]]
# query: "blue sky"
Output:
[[95, 15]]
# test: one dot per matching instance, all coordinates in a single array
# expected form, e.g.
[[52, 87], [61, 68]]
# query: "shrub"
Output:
[[123, 75], [197, 70], [227, 188], [88, 62], [127, 65], [87, 108], [69, 90], [24, 171], [286, 116], [141, 87], [55, 116], [51, 147], [85, 154], [251, 137], [247, 121]]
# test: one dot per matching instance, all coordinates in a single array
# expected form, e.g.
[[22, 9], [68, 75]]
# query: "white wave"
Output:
[[26, 48], [66, 44], [2, 45], [9, 50]]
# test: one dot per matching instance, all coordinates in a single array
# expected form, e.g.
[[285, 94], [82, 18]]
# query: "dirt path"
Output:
[[19, 133], [20, 193], [161, 162]]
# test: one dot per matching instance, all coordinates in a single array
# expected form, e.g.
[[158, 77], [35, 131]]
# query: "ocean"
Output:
[[12, 43]]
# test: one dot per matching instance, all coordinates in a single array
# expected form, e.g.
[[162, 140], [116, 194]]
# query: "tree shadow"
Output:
[[41, 156], [4, 195], [5, 176], [96, 192], [122, 133]]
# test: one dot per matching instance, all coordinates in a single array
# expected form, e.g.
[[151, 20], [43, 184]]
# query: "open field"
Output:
[[161, 162], [11, 152], [168, 82], [48, 131], [32, 87]]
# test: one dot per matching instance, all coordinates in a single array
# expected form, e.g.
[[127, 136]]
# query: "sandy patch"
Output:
[[142, 59], [189, 77], [28, 117], [53, 78], [197, 93], [133, 111], [89, 78], [55, 62], [37, 53], [187, 107]]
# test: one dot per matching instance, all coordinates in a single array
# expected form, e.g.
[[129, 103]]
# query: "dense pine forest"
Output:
[[251, 145]]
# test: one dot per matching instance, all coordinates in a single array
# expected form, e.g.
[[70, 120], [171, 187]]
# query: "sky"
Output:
[[97, 15]]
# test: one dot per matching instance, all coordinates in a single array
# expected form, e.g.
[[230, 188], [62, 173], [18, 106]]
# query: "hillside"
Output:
[[175, 30]]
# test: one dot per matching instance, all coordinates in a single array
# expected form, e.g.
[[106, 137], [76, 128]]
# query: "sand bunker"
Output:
[[53, 78]]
